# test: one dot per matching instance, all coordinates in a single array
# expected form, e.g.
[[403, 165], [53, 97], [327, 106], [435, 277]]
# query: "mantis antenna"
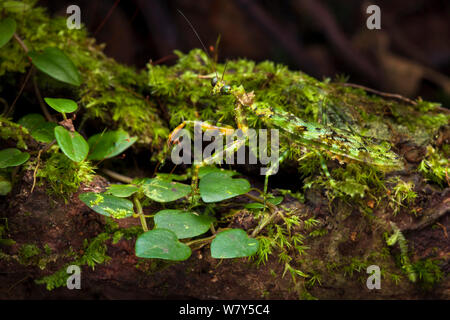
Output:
[[198, 37], [224, 69]]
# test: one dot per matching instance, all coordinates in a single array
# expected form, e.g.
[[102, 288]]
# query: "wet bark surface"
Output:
[[39, 219]]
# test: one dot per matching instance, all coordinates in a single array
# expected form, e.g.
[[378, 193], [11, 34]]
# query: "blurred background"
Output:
[[409, 55]]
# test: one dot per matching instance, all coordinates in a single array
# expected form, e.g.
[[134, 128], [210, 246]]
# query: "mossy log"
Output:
[[320, 247]]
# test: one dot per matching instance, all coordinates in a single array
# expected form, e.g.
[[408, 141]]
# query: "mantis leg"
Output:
[[324, 167], [214, 158], [173, 136], [271, 170]]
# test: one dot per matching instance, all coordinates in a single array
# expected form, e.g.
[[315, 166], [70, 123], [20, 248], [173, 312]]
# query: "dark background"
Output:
[[410, 55]]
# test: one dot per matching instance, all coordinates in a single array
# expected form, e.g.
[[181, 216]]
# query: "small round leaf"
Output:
[[72, 144], [234, 243], [183, 224], [32, 121], [109, 144], [45, 132], [122, 190], [203, 171], [12, 157], [218, 186], [62, 105], [161, 190], [161, 244], [275, 200], [108, 205]]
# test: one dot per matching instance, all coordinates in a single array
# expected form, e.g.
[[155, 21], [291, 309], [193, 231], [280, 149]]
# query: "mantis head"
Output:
[[219, 86]]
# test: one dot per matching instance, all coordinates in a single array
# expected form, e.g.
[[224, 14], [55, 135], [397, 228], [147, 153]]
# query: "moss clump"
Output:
[[15, 132], [435, 167], [27, 252], [111, 92], [402, 194], [94, 253], [62, 176], [428, 272]]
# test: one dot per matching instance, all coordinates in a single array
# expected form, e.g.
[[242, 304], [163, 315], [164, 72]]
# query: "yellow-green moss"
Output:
[[61, 176]]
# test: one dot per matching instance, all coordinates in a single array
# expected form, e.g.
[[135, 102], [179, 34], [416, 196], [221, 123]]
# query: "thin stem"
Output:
[[257, 190], [140, 213], [11, 108], [270, 205], [22, 44], [5, 103], [35, 171], [264, 223], [41, 101], [380, 93], [273, 210], [117, 176], [200, 240]]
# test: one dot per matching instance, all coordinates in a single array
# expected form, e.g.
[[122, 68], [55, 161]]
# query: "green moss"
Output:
[[428, 272], [111, 92], [14, 131], [121, 97], [402, 194], [403, 257], [27, 252], [435, 167], [62, 176], [32, 255], [55, 280], [94, 253]]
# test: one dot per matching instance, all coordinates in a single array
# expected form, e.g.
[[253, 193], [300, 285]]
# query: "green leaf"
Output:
[[62, 105], [108, 205], [72, 144], [7, 29], [32, 121], [161, 244], [203, 171], [122, 190], [234, 243], [183, 224], [39, 128], [45, 132], [12, 157], [56, 64], [275, 200], [164, 191], [218, 186], [172, 176], [109, 144]]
